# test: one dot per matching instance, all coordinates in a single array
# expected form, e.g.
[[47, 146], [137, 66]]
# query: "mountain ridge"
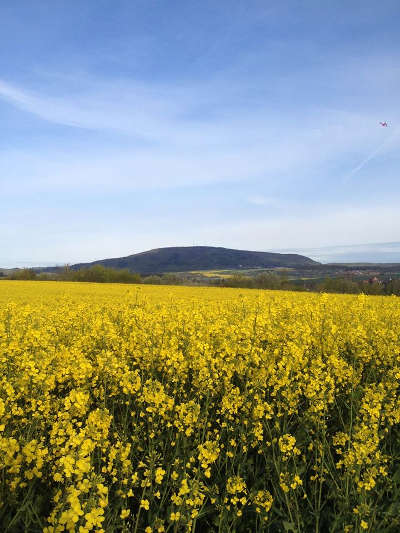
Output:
[[187, 258]]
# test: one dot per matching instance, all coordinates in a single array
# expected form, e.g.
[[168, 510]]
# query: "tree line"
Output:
[[95, 274], [272, 281], [329, 284]]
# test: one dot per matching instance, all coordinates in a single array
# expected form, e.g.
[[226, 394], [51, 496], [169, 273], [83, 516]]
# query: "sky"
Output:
[[131, 125]]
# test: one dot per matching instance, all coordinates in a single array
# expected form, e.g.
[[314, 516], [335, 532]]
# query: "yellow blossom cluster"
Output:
[[153, 409]]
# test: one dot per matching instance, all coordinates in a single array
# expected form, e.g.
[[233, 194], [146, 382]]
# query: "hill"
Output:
[[183, 259]]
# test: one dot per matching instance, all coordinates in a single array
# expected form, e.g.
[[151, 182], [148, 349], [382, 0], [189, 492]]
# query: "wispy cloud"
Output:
[[167, 143]]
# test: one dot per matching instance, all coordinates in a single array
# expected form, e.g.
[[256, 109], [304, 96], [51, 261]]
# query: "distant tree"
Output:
[[66, 273], [171, 279], [45, 276], [391, 286], [267, 281], [238, 280], [373, 288], [340, 285], [23, 274], [100, 274]]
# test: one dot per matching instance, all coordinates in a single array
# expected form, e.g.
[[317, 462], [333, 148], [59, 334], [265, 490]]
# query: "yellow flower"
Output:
[[182, 392], [159, 475], [145, 504]]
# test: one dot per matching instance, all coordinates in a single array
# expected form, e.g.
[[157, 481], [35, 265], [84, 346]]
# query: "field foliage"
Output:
[[153, 409]]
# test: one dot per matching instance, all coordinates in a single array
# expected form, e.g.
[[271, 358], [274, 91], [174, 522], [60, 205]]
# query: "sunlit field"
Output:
[[130, 408]]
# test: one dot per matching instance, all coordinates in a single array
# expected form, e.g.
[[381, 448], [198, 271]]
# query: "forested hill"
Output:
[[183, 259]]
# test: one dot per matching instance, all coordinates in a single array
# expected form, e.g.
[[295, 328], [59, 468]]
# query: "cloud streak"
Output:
[[373, 154]]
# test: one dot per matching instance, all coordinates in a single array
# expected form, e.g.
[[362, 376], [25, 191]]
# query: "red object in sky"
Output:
[[384, 124]]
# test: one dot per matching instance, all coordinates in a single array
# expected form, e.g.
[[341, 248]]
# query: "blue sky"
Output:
[[129, 125]]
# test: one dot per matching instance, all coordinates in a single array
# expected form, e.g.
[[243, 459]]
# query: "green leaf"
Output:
[[289, 526]]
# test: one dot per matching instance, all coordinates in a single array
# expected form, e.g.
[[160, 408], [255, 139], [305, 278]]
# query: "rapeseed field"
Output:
[[173, 409]]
